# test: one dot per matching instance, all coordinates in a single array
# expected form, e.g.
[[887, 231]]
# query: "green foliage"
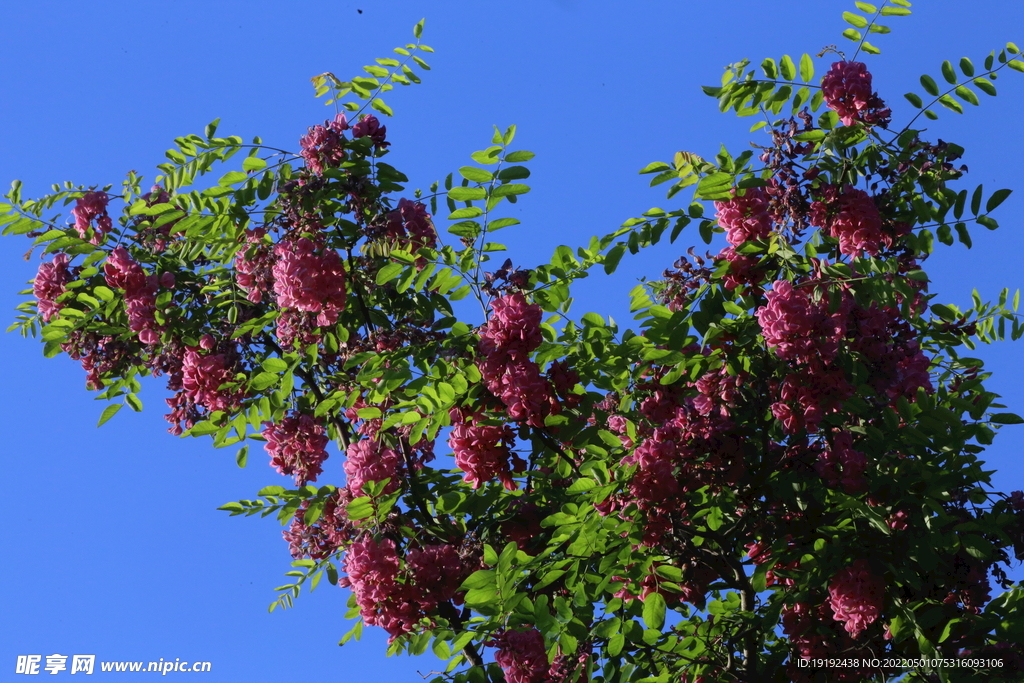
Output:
[[626, 571]]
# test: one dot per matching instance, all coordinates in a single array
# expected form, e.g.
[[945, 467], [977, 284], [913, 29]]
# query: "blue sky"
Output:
[[112, 544]]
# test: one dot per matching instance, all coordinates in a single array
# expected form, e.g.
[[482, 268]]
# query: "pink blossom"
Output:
[[519, 384], [522, 655], [89, 207], [369, 126], [437, 571], [850, 216], [373, 572], [513, 328], [324, 146], [368, 460], [139, 294], [410, 224], [49, 284], [797, 327], [202, 378], [297, 446], [745, 218], [847, 91], [254, 266], [841, 465], [309, 282], [484, 451], [856, 597]]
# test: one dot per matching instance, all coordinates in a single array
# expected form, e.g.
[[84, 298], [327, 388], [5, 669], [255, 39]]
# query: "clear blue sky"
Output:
[[111, 542]]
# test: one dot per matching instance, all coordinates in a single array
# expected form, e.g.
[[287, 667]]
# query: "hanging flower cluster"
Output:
[[308, 281], [856, 597], [511, 334], [139, 293], [484, 451], [297, 446], [746, 217], [368, 460], [847, 91], [324, 146], [49, 285], [92, 207], [851, 216]]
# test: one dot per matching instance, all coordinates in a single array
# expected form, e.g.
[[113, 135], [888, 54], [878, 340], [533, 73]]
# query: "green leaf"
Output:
[[870, 49], [929, 85], [417, 31], [264, 380], [232, 178], [468, 212], [852, 34], [378, 104], [787, 68], [985, 86], [464, 194], [1016, 65], [1005, 419], [133, 402], [519, 157], [948, 73], [949, 103], [866, 7], [769, 68], [108, 413], [914, 99], [655, 167], [253, 164], [611, 260], [895, 11], [242, 457], [855, 20], [510, 190], [476, 175], [715, 186], [654, 610], [967, 95], [806, 68], [997, 198], [388, 272], [966, 66]]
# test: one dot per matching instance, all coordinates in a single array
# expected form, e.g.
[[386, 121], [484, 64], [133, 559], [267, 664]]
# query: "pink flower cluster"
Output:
[[743, 270], [308, 281], [847, 91], [841, 465], [799, 328], [369, 126], [139, 293], [410, 224], [49, 284], [522, 656], [856, 597], [368, 460], [484, 451], [202, 378], [254, 273], [297, 446], [324, 146], [745, 218], [321, 539], [394, 600], [92, 206], [851, 216], [888, 346], [437, 572], [512, 332]]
